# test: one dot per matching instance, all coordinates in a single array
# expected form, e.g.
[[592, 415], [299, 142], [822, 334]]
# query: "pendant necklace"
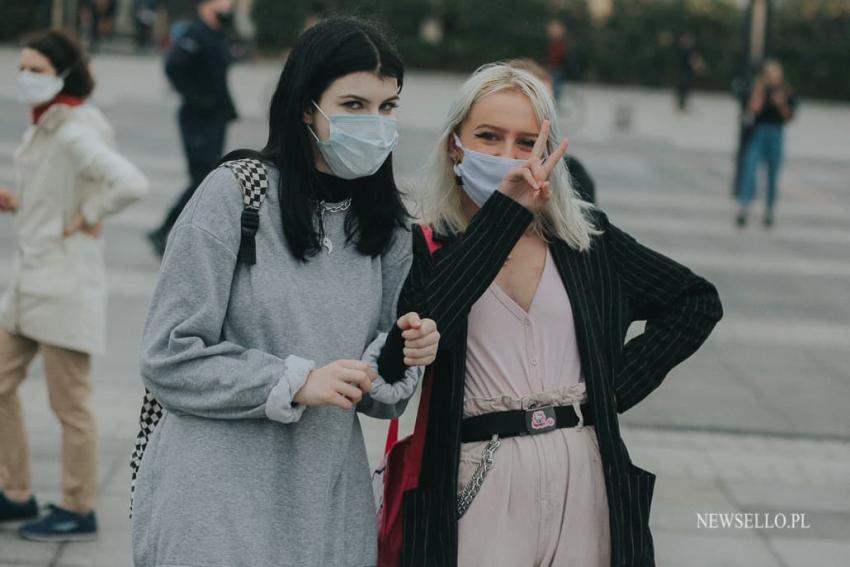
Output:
[[331, 208]]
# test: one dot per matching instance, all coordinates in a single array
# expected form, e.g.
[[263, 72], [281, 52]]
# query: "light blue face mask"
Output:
[[481, 174], [358, 144]]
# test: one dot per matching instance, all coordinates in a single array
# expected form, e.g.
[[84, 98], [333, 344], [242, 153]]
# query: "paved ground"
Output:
[[756, 422]]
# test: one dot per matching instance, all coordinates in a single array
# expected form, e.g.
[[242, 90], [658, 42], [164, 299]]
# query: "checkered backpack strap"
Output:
[[254, 182], [254, 179], [150, 414]]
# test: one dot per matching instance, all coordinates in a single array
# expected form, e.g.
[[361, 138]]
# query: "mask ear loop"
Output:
[[458, 178], [64, 74], [319, 108], [315, 137]]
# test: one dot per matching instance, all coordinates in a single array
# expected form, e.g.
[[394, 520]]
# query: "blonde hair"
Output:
[[565, 217]]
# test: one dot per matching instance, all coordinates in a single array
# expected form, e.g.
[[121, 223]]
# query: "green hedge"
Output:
[[633, 46], [18, 18], [812, 39]]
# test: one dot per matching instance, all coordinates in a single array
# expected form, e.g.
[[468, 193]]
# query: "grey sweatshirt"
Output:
[[236, 474]]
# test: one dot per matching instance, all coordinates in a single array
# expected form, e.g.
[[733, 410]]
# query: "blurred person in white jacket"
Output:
[[69, 177]]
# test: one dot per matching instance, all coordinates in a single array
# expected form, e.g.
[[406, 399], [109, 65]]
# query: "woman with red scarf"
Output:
[[68, 178]]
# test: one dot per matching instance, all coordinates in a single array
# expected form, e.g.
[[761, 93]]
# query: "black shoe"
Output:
[[768, 220], [741, 220], [61, 525], [17, 511], [157, 240]]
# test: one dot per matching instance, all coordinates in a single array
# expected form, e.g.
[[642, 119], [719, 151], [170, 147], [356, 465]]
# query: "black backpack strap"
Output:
[[254, 180]]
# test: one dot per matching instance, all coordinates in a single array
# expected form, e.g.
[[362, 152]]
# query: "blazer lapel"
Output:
[[575, 272]]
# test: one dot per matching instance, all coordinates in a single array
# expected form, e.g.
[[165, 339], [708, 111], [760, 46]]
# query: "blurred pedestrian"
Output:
[[771, 105], [557, 56], [197, 67], [101, 17], [689, 64], [260, 348], [581, 180], [144, 19], [69, 178]]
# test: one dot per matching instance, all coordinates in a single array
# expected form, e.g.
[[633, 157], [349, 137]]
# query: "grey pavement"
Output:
[[756, 422]]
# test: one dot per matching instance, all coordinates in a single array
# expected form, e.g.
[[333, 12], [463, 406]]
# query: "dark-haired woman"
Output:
[[262, 368], [69, 178]]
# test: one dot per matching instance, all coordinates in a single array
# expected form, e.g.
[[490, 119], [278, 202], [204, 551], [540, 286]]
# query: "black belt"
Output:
[[519, 422]]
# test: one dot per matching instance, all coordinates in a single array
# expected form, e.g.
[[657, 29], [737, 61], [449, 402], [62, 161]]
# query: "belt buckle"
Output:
[[540, 420]]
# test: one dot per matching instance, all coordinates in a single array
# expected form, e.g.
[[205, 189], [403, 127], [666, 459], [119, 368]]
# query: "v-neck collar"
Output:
[[511, 304]]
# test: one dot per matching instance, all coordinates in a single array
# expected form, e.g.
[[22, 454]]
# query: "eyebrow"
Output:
[[361, 99], [490, 126]]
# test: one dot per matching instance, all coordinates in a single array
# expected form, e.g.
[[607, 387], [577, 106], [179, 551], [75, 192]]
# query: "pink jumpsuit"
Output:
[[544, 502]]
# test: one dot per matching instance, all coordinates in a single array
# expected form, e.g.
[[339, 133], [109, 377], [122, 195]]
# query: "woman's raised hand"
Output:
[[528, 184]]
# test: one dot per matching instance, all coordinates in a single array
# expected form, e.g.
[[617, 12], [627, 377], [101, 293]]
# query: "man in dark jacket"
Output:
[[197, 68]]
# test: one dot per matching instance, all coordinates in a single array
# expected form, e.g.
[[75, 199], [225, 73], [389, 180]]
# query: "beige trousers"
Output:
[[544, 502], [68, 376]]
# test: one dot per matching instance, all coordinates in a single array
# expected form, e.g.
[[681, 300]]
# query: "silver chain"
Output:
[[470, 491], [335, 207], [325, 207]]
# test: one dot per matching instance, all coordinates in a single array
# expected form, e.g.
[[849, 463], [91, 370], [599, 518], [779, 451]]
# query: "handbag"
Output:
[[399, 471]]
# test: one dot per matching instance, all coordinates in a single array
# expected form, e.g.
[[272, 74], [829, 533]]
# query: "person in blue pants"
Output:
[[771, 105]]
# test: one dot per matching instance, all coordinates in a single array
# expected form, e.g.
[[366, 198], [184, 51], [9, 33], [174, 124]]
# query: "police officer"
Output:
[[197, 68]]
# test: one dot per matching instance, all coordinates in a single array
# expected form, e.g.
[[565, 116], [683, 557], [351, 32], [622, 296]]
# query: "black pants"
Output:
[[203, 143]]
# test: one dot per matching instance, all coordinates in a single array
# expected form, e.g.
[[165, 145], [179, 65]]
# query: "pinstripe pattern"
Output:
[[616, 282]]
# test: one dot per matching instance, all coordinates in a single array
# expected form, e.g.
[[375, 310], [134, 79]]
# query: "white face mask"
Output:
[[358, 144], [37, 88], [481, 174]]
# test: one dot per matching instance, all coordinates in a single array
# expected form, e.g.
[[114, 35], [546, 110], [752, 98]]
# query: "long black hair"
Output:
[[329, 50]]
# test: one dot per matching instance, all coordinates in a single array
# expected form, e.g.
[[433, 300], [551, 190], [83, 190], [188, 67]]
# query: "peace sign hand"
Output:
[[528, 184]]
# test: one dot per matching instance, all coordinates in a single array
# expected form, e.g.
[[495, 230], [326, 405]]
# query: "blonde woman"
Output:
[[533, 291]]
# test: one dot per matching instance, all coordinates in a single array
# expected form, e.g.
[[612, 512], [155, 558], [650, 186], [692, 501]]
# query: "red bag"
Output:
[[401, 466]]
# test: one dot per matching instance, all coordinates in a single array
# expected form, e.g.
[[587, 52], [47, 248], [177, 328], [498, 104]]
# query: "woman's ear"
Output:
[[308, 116], [455, 153]]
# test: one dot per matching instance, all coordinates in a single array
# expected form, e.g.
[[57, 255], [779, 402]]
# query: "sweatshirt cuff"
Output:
[[401, 387], [279, 405]]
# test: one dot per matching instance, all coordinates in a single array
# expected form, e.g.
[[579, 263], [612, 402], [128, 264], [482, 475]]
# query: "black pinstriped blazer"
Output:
[[616, 282]]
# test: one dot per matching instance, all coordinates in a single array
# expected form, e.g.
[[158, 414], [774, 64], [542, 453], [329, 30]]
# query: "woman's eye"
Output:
[[389, 107], [528, 142], [353, 105], [488, 136]]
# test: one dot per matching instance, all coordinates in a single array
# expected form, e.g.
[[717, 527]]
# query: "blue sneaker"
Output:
[[61, 525], [17, 511]]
